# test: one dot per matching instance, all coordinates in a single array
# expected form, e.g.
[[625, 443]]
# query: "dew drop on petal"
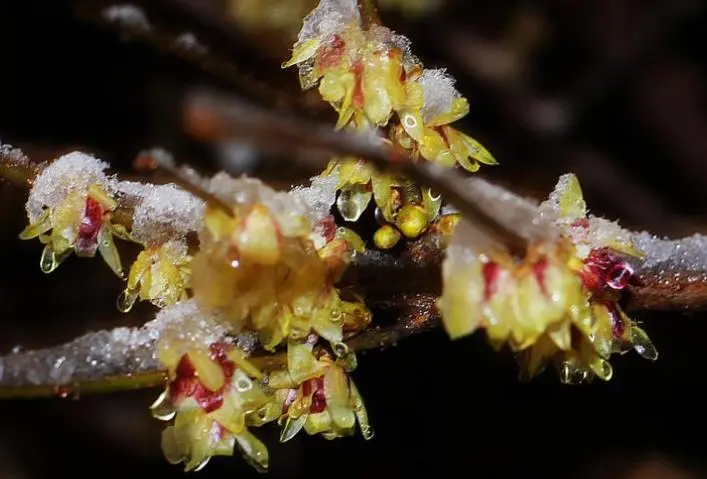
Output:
[[48, 262], [126, 300], [162, 408], [353, 202]]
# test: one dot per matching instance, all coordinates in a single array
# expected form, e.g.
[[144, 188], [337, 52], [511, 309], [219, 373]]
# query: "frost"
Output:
[[116, 352], [130, 16], [512, 211], [72, 172], [288, 210], [686, 254], [189, 42], [164, 212], [328, 18], [14, 155], [439, 93], [318, 196]]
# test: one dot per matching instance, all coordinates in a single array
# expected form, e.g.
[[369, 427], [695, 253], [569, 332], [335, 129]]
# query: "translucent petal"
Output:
[[259, 239], [317, 423], [302, 364], [459, 109], [477, 151], [361, 412], [382, 186], [642, 344], [303, 52], [43, 224], [209, 372], [571, 200], [109, 252], [253, 450], [432, 203], [377, 103], [292, 426], [411, 120]]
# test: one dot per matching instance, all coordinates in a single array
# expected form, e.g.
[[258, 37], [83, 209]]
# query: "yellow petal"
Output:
[[303, 52], [259, 239]]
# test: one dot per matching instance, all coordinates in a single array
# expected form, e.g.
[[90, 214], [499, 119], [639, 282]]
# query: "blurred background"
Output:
[[613, 90]]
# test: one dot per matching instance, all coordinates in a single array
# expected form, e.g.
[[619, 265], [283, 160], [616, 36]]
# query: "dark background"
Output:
[[613, 90]]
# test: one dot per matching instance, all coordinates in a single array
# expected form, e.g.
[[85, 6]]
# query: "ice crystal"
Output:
[[439, 93], [130, 16], [74, 171], [685, 254], [330, 17], [319, 196], [118, 351], [165, 212]]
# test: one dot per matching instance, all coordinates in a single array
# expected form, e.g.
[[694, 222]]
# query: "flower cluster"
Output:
[[253, 261], [558, 304], [369, 76]]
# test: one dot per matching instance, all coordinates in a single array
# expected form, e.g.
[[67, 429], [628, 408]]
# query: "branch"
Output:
[[200, 35], [126, 359]]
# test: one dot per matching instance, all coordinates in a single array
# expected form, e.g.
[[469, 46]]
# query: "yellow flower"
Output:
[[556, 305], [160, 274], [264, 273], [317, 395], [211, 398], [372, 80], [81, 223]]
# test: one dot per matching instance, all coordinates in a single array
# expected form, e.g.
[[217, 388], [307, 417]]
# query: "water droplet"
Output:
[[126, 300], [48, 261], [572, 375], [202, 464], [353, 202], [340, 349], [162, 408]]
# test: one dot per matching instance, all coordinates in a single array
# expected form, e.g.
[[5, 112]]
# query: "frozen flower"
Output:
[[556, 305], [209, 400], [260, 267], [70, 209], [317, 395], [369, 76], [160, 274]]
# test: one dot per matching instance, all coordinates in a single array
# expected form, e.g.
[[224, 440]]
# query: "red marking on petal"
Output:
[[318, 397], [327, 228], [604, 270], [492, 273], [357, 70], [330, 55], [91, 224], [187, 385], [539, 270], [581, 223]]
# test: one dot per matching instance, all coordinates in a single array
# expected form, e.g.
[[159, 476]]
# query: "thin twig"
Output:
[[416, 313]]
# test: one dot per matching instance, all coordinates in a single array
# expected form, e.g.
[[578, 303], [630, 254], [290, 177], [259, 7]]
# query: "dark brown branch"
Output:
[[213, 118]]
